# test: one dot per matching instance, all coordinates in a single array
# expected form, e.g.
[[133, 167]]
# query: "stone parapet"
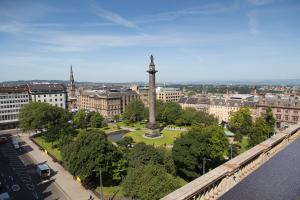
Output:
[[218, 181]]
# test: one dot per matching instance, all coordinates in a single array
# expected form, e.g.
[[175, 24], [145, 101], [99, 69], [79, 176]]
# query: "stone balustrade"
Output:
[[218, 181]]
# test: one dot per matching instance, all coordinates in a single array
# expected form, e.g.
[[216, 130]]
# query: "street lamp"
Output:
[[203, 164], [100, 177], [230, 151]]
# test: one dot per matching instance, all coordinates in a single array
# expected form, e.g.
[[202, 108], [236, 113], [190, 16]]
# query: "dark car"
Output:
[[3, 140]]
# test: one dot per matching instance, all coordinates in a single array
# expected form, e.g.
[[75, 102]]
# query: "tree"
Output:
[[134, 111], [116, 118], [159, 110], [45, 117], [142, 154], [127, 142], [96, 120], [32, 116], [270, 120], [149, 182], [191, 116], [80, 119], [241, 121], [200, 142], [91, 150], [258, 132], [171, 112]]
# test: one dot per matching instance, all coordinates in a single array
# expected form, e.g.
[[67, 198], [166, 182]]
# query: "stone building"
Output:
[[168, 94], [143, 93], [54, 94], [220, 107], [107, 102], [12, 99], [285, 107]]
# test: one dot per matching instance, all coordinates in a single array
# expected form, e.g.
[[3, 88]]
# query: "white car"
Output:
[[16, 146], [4, 196]]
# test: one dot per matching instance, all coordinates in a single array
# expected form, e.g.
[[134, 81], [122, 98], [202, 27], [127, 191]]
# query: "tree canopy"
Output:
[[200, 142], [91, 150], [135, 111], [149, 182], [142, 154], [241, 121], [80, 119], [258, 132]]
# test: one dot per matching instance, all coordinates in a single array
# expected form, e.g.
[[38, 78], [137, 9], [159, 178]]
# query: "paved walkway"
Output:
[[72, 189]]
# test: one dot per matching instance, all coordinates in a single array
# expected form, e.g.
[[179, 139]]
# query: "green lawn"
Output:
[[137, 125], [167, 139], [110, 191], [48, 146], [244, 144]]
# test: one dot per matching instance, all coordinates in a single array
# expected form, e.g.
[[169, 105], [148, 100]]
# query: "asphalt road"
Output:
[[17, 172], [277, 179]]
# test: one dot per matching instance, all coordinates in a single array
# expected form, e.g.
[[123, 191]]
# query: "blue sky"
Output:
[[111, 41]]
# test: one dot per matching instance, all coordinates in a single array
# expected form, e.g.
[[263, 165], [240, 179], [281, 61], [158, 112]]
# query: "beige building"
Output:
[[168, 94], [285, 107], [107, 103], [143, 93], [217, 106]]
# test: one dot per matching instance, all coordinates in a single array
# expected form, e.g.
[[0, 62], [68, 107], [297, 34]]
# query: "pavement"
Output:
[[63, 186], [19, 178], [277, 179]]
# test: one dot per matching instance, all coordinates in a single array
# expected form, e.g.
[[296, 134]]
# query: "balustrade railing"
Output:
[[218, 181]]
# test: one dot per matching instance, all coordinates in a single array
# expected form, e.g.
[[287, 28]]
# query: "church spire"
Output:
[[71, 75], [71, 84]]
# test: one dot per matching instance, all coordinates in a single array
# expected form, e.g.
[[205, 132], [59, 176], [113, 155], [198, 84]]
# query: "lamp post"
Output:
[[100, 177], [203, 164], [230, 151]]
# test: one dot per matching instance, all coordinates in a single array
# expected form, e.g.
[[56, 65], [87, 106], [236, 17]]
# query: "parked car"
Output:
[[3, 140], [16, 143], [43, 171], [4, 196]]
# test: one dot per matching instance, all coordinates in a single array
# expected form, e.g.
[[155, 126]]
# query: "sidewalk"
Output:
[[71, 188]]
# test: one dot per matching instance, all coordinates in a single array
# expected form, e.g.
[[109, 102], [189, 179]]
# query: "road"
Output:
[[277, 179], [17, 172]]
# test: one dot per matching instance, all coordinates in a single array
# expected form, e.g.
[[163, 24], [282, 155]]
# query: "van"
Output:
[[43, 171]]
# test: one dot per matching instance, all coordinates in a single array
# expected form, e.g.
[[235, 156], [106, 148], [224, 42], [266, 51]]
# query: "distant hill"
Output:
[[283, 82]]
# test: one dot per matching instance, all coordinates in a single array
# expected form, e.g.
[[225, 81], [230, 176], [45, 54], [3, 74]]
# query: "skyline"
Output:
[[112, 41]]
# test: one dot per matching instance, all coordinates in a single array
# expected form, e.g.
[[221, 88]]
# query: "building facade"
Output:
[[107, 102], [285, 107], [219, 106], [54, 94], [143, 93], [168, 94], [12, 99]]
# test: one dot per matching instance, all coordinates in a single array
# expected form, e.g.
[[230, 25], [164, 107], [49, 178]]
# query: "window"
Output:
[[286, 117], [295, 118]]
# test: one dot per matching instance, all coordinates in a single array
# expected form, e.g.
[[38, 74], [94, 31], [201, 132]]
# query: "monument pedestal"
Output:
[[153, 130]]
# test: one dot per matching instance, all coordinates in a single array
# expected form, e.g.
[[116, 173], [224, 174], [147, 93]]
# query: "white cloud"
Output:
[[112, 16], [204, 10], [260, 2], [253, 22]]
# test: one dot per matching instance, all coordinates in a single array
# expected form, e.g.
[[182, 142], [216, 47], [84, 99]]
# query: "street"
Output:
[[18, 175]]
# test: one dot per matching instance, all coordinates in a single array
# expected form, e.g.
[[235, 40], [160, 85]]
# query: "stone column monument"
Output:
[[153, 126]]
